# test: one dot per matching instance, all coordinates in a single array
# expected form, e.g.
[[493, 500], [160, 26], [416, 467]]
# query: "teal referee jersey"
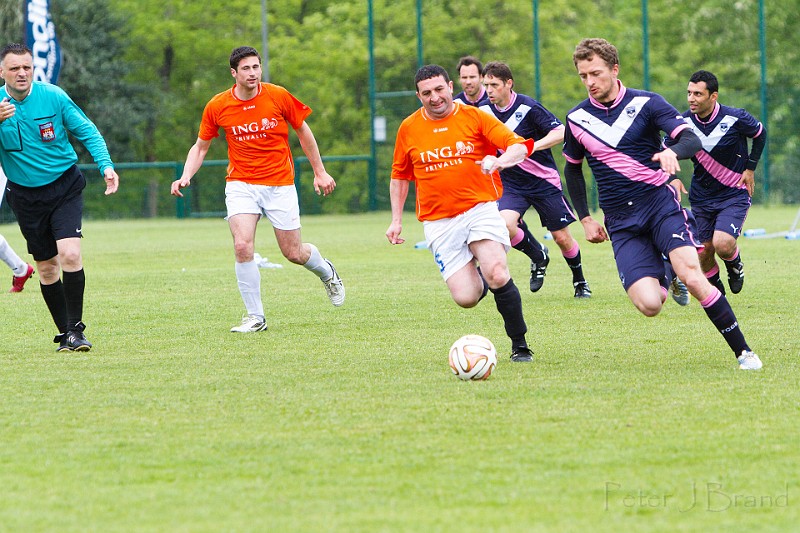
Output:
[[34, 145]]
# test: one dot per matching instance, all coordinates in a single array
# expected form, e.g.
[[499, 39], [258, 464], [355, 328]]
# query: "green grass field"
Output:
[[349, 419]]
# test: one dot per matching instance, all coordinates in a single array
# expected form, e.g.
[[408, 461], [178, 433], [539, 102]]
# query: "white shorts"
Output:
[[449, 238], [278, 203]]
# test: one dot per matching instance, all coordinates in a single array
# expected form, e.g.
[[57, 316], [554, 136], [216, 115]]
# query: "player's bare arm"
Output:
[[398, 192], [194, 160], [668, 161], [514, 155], [553, 137], [323, 182], [677, 184], [748, 179], [594, 231]]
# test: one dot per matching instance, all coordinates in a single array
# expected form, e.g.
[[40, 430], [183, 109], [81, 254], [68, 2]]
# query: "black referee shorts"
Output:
[[49, 213]]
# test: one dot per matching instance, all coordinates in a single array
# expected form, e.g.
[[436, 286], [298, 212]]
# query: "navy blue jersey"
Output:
[[531, 120], [718, 167], [483, 98], [619, 141]]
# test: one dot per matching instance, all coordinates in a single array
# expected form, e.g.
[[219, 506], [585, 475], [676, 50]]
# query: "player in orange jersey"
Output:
[[260, 182], [448, 150]]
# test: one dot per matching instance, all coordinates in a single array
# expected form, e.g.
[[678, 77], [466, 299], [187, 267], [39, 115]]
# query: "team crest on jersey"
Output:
[[723, 127], [630, 111], [268, 123], [47, 132], [518, 115]]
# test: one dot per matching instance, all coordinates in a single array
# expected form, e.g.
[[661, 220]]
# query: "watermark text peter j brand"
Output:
[[710, 497]]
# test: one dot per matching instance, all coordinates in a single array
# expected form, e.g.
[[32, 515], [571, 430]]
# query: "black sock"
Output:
[[74, 285], [529, 245], [734, 264], [723, 318], [575, 265], [509, 303], [715, 281], [53, 295]]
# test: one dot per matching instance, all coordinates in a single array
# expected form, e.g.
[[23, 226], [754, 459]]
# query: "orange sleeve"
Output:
[[402, 165], [294, 111], [209, 129]]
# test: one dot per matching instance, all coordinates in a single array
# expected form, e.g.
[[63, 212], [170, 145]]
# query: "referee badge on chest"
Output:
[[47, 132]]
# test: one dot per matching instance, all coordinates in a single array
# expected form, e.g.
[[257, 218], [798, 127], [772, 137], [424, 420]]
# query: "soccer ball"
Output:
[[473, 357]]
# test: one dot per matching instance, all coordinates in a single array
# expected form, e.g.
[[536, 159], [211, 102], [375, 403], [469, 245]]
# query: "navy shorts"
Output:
[[727, 216], [48, 213], [646, 231], [555, 213]]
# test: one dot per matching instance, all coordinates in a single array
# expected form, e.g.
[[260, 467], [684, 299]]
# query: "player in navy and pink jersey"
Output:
[[723, 178], [536, 181], [470, 78], [618, 130]]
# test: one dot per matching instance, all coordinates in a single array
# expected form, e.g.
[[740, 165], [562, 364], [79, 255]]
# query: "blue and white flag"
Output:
[[40, 36]]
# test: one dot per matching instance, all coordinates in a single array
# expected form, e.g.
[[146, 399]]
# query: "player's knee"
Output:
[[649, 308], [648, 302], [296, 256], [466, 297], [725, 248], [563, 240], [243, 250], [70, 259], [496, 275]]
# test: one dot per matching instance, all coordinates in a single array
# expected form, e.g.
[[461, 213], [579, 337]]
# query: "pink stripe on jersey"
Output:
[[721, 173], [623, 164], [712, 298], [541, 171]]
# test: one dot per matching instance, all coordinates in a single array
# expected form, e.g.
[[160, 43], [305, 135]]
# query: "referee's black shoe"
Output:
[[73, 340]]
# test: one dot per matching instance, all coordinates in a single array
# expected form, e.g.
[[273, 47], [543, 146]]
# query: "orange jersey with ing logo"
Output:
[[442, 157], [257, 133]]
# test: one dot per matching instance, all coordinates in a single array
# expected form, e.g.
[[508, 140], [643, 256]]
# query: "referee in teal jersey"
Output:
[[45, 186]]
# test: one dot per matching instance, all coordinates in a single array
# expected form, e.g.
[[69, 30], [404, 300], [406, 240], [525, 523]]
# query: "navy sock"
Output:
[[722, 316], [734, 264], [529, 245], [715, 281], [575, 265]]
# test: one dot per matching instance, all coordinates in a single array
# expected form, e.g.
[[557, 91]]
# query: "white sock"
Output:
[[318, 265], [249, 280], [10, 257]]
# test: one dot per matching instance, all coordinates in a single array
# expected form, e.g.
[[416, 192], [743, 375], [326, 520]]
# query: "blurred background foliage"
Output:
[[144, 69]]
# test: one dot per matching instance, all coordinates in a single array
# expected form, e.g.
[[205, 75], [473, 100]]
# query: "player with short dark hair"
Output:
[[618, 130], [723, 180], [448, 150], [260, 182], [470, 78], [45, 186], [536, 181]]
